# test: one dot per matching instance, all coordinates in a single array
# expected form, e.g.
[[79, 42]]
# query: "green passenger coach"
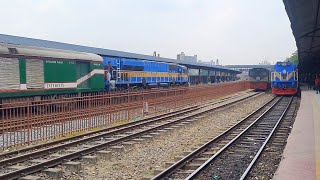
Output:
[[27, 71]]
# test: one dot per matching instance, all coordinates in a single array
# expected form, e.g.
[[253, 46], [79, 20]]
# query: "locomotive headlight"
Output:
[[284, 64], [284, 71]]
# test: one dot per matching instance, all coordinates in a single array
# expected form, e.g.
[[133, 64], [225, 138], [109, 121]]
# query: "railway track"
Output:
[[232, 154], [169, 114], [17, 118], [34, 159], [267, 164]]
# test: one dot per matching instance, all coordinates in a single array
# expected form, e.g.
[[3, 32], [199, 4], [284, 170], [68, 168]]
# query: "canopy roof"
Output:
[[103, 52], [305, 24]]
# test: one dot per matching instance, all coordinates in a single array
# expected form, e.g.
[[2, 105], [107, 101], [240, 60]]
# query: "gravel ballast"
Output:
[[145, 157]]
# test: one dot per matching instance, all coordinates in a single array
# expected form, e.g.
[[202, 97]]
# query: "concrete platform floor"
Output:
[[301, 158]]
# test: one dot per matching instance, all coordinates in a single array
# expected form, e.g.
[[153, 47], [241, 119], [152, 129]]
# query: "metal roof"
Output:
[[32, 51], [241, 67], [104, 52], [305, 24]]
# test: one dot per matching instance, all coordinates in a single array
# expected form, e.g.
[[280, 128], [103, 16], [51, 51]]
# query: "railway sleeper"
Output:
[[255, 133], [36, 161], [209, 153], [199, 160], [106, 155], [184, 173], [237, 155], [16, 167], [249, 146], [278, 144], [192, 166], [118, 149], [235, 151], [90, 159], [253, 138], [128, 145], [245, 140], [73, 166]]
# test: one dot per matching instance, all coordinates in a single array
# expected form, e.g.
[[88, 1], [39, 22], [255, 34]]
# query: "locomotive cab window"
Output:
[[172, 67], [296, 75], [184, 70]]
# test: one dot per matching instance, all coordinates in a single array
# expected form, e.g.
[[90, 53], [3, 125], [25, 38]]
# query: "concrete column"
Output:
[[199, 76]]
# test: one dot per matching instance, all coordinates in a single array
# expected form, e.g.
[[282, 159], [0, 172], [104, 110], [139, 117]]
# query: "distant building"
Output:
[[210, 62], [184, 58], [265, 62]]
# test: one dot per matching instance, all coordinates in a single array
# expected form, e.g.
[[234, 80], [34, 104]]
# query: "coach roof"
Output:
[[13, 49]]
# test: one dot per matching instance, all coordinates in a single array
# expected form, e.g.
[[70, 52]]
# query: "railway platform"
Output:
[[301, 157]]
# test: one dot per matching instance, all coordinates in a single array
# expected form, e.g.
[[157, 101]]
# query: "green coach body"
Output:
[[33, 71]]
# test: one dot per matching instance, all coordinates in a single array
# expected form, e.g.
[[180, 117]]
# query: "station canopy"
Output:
[[105, 52], [305, 24]]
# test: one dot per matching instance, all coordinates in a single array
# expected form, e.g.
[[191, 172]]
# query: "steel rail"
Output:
[[110, 132], [73, 155], [244, 175], [207, 163], [145, 121], [179, 164]]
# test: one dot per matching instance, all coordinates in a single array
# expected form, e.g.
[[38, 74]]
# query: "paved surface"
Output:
[[301, 158]]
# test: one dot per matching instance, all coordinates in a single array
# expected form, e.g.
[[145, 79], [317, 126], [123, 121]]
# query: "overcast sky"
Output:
[[234, 31]]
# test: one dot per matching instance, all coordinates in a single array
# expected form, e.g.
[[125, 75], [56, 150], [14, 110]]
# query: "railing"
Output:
[[25, 122]]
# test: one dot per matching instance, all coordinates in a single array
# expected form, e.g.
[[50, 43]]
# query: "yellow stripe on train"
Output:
[[278, 75], [131, 74]]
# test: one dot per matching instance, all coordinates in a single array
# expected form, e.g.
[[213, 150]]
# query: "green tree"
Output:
[[293, 57]]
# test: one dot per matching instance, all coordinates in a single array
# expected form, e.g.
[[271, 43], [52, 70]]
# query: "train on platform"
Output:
[[259, 79], [37, 72], [284, 80]]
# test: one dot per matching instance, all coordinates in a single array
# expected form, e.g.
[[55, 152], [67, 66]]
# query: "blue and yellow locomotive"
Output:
[[123, 73], [284, 80]]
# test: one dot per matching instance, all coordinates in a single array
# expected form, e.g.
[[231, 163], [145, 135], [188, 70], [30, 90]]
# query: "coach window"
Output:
[[172, 67], [133, 68]]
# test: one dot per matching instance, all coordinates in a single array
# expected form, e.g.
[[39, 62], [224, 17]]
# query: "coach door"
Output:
[[34, 74], [83, 68], [9, 74]]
